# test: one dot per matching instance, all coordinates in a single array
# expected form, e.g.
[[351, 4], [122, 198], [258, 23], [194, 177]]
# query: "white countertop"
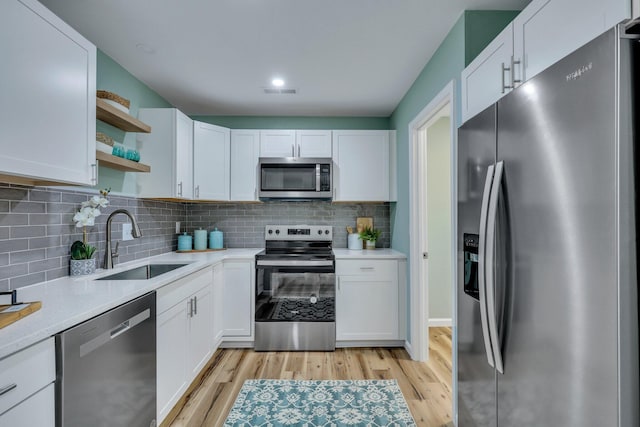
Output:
[[71, 300], [342, 253]]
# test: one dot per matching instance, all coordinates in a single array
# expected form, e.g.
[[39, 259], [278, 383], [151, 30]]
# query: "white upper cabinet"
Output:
[[168, 149], [548, 30], [313, 143], [295, 143], [245, 150], [211, 161], [542, 34], [361, 165], [48, 98], [488, 76], [277, 143]]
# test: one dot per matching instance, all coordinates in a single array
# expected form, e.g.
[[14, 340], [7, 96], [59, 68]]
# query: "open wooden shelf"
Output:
[[110, 114], [114, 162]]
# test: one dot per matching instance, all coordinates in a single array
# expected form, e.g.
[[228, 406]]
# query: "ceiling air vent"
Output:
[[274, 91]]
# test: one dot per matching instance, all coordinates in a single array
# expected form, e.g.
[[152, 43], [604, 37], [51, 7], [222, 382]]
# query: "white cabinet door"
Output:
[[211, 161], [238, 297], [168, 149], [172, 343], [200, 330], [37, 410], [48, 99], [218, 305], [184, 156], [245, 150], [361, 165], [486, 78], [313, 143], [548, 30], [366, 308], [277, 143]]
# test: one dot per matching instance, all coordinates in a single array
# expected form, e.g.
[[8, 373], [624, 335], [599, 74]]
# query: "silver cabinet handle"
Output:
[[195, 305], [180, 189], [482, 264], [298, 151], [504, 86], [6, 389], [197, 191], [338, 278], [94, 173], [190, 307], [255, 194], [515, 81], [367, 268], [293, 153], [490, 279]]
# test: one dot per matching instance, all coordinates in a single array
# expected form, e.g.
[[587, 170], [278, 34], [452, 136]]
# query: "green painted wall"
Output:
[[474, 27], [481, 27], [439, 223], [278, 122], [112, 77]]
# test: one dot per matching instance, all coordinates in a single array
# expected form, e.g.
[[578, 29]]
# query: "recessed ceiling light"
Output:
[[277, 82], [145, 48]]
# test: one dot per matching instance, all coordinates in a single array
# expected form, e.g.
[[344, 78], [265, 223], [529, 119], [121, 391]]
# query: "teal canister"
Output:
[[215, 239], [200, 239], [185, 242]]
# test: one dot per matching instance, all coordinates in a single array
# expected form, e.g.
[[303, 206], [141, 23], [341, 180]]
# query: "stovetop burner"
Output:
[[302, 242]]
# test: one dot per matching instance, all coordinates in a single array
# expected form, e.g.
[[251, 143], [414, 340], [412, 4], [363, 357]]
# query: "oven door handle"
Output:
[[284, 263]]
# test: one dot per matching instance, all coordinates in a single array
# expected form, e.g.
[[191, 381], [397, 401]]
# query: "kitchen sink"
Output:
[[143, 272]]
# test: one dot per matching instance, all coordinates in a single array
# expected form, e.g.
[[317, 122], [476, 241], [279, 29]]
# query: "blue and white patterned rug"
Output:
[[272, 403]]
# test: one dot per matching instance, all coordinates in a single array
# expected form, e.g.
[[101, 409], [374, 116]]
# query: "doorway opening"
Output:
[[432, 221]]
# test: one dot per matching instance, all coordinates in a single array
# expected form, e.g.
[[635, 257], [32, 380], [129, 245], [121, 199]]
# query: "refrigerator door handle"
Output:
[[486, 196], [490, 277]]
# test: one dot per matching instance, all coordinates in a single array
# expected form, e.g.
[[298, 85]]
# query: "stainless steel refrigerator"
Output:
[[547, 301]]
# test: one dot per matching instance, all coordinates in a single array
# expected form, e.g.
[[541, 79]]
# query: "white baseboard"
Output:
[[440, 322]]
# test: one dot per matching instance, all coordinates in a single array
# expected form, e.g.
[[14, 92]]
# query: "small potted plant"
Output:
[[369, 235], [82, 261]]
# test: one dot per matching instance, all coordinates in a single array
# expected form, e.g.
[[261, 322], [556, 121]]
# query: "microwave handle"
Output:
[[317, 177]]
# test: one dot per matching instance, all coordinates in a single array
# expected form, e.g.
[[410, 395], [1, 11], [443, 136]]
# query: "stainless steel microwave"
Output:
[[295, 178]]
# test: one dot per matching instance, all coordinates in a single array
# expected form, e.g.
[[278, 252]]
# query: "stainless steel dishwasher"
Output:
[[106, 368]]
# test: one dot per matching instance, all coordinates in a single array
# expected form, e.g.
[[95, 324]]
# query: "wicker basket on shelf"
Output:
[[103, 94]]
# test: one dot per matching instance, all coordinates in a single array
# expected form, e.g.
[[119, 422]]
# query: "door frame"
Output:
[[418, 345]]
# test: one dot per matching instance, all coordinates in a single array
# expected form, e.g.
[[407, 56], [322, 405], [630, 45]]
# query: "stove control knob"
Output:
[[277, 231], [313, 299], [326, 231], [319, 231], [270, 231]]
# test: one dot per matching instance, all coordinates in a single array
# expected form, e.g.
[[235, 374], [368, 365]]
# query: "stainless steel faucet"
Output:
[[135, 232]]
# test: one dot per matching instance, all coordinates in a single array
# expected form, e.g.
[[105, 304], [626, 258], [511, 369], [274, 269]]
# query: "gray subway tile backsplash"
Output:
[[37, 229]]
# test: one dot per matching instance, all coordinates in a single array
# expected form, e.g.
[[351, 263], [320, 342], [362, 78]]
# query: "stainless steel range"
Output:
[[296, 289]]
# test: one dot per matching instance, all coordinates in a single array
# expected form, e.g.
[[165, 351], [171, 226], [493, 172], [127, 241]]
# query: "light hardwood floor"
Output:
[[425, 386]]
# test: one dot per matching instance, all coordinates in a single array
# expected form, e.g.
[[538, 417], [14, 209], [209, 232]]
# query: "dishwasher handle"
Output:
[[102, 339]]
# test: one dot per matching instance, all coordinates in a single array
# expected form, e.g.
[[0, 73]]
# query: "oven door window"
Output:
[[288, 178], [288, 294]]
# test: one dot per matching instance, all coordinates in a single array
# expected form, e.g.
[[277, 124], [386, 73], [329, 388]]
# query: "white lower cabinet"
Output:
[[38, 410], [184, 335], [218, 304], [26, 386], [367, 300], [238, 299]]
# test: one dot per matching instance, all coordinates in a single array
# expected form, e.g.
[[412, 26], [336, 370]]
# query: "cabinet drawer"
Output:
[[29, 370], [173, 293], [383, 269]]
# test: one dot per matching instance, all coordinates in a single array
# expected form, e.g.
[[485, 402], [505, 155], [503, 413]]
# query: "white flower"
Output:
[[89, 211]]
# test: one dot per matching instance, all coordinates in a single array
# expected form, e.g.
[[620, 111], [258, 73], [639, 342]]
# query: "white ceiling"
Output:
[[344, 57]]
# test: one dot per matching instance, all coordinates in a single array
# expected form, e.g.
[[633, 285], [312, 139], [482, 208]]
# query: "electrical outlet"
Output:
[[177, 227], [126, 231]]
